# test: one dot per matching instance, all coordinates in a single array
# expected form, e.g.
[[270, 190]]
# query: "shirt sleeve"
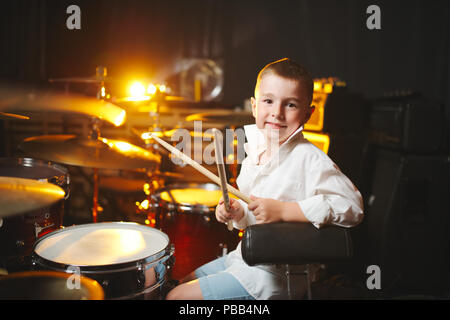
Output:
[[333, 199]]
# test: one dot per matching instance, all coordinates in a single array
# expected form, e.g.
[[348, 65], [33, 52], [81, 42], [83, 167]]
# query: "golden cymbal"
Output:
[[7, 116], [224, 117], [102, 153], [13, 99], [93, 79], [19, 195]]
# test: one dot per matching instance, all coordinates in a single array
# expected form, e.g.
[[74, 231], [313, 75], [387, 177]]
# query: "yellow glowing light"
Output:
[[162, 88], [148, 135], [321, 141], [317, 86], [123, 146], [144, 204], [103, 92], [137, 89], [328, 88], [241, 233], [146, 188], [147, 221], [120, 119], [151, 89], [194, 196], [230, 157]]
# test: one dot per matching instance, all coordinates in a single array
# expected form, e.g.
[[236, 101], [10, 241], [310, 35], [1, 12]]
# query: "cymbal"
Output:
[[93, 79], [147, 99], [224, 117], [7, 116], [13, 99], [133, 184], [19, 195], [78, 151]]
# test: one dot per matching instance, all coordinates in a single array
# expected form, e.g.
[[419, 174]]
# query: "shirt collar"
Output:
[[256, 143]]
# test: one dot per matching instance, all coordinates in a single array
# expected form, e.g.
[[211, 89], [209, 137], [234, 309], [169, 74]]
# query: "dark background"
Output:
[[138, 38]]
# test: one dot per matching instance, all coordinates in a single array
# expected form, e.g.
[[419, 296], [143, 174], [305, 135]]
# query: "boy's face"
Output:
[[281, 106]]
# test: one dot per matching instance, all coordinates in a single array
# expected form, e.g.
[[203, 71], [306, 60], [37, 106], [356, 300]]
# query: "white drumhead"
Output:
[[101, 244]]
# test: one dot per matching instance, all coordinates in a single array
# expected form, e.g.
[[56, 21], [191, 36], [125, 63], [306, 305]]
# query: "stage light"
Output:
[[151, 89], [137, 90]]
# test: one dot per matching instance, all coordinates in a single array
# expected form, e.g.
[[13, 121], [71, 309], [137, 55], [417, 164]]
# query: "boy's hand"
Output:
[[266, 210], [236, 211]]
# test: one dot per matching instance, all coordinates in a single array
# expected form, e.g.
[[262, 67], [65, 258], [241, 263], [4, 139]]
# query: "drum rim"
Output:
[[183, 206], [106, 268], [94, 288]]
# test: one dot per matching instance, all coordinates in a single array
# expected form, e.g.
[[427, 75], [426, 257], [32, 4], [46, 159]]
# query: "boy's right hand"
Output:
[[236, 211]]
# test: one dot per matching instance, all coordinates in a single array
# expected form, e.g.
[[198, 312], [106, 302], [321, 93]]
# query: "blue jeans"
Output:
[[219, 285]]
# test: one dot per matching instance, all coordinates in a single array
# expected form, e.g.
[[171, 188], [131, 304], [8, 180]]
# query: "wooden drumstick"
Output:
[[222, 174], [199, 168]]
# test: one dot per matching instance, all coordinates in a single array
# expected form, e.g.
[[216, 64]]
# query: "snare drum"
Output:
[[188, 217], [129, 260], [19, 233]]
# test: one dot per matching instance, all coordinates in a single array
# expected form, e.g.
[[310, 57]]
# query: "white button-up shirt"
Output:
[[299, 172]]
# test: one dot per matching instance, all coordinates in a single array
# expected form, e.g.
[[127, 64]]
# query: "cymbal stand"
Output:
[[94, 135]]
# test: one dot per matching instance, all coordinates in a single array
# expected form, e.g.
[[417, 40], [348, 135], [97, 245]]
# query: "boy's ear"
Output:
[[253, 102]]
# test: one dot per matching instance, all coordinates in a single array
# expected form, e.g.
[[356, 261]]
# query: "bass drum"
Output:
[[130, 261], [187, 214], [19, 233]]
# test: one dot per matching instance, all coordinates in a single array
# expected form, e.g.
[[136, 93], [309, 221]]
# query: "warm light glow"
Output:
[[317, 86], [146, 188], [103, 92], [137, 90], [328, 87], [321, 141], [143, 205], [120, 119], [123, 146], [151, 89], [162, 88], [148, 135], [209, 198]]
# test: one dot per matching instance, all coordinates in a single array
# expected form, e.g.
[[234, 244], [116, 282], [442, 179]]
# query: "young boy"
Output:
[[288, 178]]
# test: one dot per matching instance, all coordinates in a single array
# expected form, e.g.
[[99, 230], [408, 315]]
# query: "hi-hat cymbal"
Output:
[[224, 117], [19, 195], [102, 153], [13, 99]]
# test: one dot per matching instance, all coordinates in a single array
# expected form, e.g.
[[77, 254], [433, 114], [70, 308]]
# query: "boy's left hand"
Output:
[[266, 210]]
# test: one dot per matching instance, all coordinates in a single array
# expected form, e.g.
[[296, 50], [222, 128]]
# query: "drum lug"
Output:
[[38, 229], [140, 274]]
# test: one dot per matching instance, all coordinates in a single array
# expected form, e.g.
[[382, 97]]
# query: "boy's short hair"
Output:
[[289, 69]]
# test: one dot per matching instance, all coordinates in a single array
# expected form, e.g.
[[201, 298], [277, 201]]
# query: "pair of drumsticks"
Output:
[[221, 180]]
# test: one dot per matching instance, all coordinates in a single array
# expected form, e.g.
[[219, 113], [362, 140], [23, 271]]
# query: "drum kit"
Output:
[[98, 260]]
